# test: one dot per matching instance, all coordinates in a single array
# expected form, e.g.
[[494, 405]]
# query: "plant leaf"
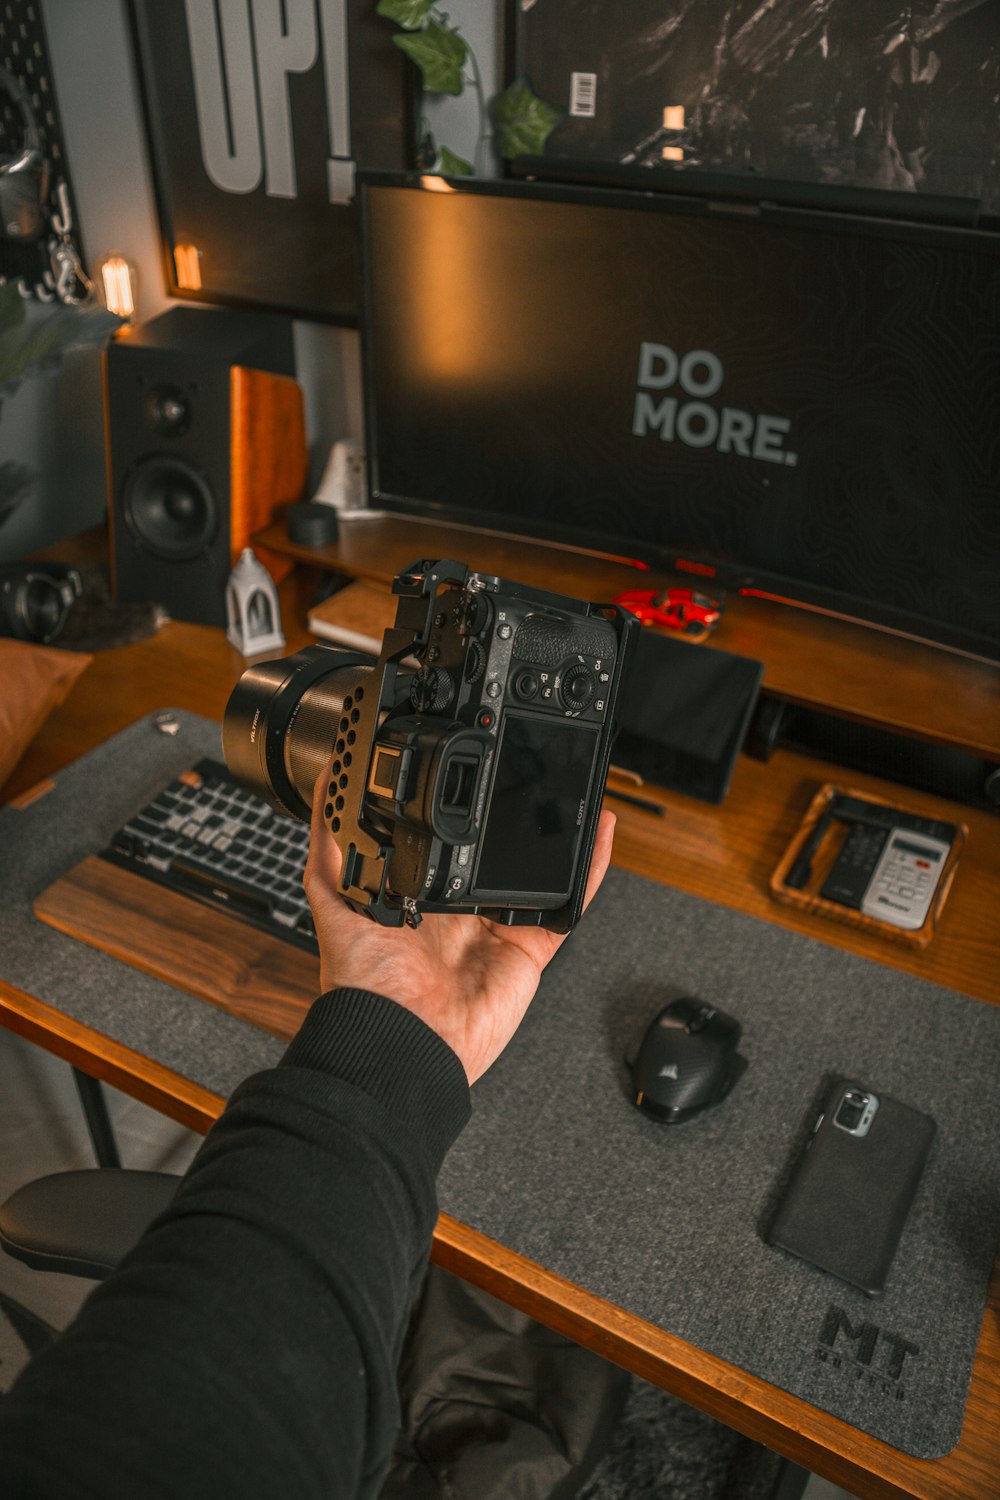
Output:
[[12, 305], [16, 481], [524, 121], [38, 343], [439, 53], [406, 13], [451, 165]]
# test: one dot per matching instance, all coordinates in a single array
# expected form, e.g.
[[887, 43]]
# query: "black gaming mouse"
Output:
[[687, 1061]]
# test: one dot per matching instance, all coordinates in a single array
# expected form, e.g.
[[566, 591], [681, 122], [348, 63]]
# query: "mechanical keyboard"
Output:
[[208, 837]]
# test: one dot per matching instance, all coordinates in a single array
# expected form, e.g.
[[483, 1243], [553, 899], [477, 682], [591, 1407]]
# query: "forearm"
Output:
[[249, 1343]]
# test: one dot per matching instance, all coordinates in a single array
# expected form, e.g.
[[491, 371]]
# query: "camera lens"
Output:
[[282, 719]]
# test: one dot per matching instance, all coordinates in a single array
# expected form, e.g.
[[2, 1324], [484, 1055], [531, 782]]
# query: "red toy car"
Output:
[[677, 609]]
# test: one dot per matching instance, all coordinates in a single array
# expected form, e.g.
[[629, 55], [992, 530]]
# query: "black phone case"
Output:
[[847, 1202]]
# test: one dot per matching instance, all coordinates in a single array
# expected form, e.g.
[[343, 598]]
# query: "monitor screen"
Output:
[[805, 404]]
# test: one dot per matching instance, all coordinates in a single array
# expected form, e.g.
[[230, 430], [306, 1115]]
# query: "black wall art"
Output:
[[869, 94], [257, 114]]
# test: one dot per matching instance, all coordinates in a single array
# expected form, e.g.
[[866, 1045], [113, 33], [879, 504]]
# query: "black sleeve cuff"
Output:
[[386, 1050]]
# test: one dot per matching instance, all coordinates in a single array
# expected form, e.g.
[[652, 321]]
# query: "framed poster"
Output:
[[257, 113], [842, 94]]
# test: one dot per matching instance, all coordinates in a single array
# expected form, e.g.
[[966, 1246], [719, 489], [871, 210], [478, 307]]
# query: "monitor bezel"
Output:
[[729, 574]]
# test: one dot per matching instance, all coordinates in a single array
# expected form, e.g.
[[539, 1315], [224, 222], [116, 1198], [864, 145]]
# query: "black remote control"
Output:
[[852, 871]]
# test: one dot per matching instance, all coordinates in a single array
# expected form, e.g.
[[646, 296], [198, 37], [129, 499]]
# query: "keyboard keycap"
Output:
[[211, 838]]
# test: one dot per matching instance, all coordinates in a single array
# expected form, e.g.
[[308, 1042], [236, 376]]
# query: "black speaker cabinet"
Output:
[[205, 435]]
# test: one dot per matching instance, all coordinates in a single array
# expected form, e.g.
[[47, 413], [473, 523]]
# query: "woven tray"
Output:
[[807, 898]]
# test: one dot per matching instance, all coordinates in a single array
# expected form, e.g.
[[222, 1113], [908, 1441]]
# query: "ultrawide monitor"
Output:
[[806, 403]]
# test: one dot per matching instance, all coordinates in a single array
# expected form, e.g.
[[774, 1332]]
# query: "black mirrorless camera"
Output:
[[468, 763]]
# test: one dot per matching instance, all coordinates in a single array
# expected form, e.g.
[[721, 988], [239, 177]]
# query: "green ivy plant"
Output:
[[518, 124], [29, 345]]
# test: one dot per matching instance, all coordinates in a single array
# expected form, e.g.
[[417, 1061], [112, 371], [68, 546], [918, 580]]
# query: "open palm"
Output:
[[471, 980]]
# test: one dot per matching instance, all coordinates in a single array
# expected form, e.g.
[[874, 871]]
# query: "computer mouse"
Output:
[[687, 1061]]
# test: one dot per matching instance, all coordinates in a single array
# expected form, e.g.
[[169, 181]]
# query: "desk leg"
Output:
[[95, 1111], [792, 1482]]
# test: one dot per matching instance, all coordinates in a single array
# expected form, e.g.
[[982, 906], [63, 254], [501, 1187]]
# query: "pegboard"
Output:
[[50, 267]]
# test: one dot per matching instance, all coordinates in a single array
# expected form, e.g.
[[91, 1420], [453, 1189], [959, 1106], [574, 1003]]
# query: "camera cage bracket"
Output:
[[366, 851], [366, 854]]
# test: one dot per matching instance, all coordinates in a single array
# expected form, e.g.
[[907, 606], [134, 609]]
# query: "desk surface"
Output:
[[725, 853]]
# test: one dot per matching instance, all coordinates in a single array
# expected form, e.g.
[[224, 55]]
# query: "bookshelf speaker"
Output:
[[205, 435]]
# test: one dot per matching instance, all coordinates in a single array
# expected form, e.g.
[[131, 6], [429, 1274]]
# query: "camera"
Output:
[[468, 763], [36, 598]]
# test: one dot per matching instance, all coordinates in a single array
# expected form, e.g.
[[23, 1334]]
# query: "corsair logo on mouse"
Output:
[[687, 1060], [699, 374]]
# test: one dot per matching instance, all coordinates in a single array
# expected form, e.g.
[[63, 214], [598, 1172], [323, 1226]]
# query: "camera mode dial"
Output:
[[577, 687], [473, 614]]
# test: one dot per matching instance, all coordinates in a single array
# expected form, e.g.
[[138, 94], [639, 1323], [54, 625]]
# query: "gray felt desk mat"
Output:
[[664, 1221], [92, 798]]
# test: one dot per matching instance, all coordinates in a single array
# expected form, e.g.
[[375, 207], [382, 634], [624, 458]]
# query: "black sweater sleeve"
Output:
[[248, 1344]]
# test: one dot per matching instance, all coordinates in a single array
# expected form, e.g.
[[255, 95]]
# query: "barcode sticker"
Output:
[[583, 95]]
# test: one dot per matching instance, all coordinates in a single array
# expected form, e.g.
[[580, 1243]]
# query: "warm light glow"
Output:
[[672, 153], [436, 185], [116, 277], [673, 117], [187, 264]]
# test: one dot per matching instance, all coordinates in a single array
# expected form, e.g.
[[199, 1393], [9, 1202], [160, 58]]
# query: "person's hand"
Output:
[[469, 979]]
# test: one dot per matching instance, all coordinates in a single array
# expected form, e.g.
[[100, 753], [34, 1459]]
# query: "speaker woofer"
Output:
[[169, 508]]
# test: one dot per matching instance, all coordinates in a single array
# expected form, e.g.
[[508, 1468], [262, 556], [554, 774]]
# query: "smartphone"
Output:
[[852, 1188]]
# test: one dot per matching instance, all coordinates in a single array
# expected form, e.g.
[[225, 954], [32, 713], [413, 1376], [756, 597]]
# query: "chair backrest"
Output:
[[82, 1223]]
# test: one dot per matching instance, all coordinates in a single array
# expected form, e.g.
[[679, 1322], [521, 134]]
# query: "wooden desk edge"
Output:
[[971, 1472], [803, 1433], [92, 1052], [810, 1437]]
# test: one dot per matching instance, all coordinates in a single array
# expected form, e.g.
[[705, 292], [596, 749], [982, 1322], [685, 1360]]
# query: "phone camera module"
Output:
[[855, 1112]]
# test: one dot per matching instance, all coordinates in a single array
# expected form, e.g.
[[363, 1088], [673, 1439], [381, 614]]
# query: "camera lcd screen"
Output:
[[533, 824]]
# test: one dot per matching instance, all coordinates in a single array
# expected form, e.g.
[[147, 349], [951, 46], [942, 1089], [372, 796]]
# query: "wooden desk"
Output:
[[725, 854]]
